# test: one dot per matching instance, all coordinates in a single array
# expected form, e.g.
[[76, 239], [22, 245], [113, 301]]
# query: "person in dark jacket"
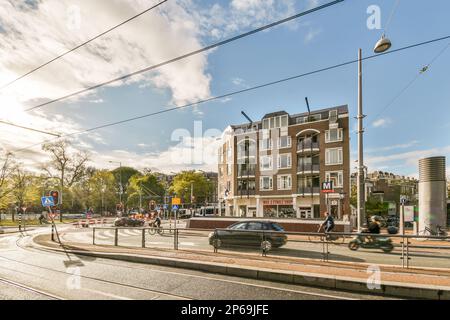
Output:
[[328, 224]]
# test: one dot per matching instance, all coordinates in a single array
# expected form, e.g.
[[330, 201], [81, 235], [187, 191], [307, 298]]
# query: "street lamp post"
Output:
[[381, 46]]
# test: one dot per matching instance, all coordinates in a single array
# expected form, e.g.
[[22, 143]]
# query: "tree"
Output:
[[144, 187], [66, 164], [183, 182], [6, 170], [102, 193], [123, 174], [25, 191]]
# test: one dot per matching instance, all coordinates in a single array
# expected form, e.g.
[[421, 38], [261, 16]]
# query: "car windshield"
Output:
[[239, 226]]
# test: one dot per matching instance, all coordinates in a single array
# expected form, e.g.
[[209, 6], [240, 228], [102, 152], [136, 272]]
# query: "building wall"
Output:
[[235, 199]]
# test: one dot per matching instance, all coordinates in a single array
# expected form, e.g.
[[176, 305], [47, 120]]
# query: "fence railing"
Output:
[[268, 241]]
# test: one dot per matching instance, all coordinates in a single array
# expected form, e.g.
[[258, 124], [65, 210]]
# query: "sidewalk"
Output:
[[413, 282]]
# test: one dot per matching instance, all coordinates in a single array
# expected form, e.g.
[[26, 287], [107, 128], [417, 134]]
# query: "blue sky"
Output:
[[417, 124]]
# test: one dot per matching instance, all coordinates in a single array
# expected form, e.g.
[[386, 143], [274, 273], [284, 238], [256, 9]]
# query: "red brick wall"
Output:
[[294, 226]]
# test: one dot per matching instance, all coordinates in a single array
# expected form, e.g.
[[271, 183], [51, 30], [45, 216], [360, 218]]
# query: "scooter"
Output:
[[383, 243]]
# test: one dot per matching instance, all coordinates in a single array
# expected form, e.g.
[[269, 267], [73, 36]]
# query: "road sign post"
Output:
[[49, 202]]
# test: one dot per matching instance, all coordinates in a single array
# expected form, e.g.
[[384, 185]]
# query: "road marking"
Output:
[[187, 243], [108, 294]]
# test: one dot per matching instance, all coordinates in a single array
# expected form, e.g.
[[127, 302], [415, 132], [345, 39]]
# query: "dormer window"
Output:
[[275, 122]]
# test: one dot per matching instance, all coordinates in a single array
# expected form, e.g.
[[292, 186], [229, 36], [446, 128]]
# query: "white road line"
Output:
[[187, 244], [108, 294]]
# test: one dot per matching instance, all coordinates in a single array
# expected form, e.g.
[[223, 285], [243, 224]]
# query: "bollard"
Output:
[[53, 233], [116, 237], [175, 239], [143, 237], [93, 236]]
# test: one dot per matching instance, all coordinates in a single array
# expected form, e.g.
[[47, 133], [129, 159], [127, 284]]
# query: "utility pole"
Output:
[[361, 204], [192, 193]]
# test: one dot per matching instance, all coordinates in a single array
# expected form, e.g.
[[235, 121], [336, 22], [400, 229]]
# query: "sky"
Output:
[[402, 125]]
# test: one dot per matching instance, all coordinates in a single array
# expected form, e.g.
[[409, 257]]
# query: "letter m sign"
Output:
[[327, 186]]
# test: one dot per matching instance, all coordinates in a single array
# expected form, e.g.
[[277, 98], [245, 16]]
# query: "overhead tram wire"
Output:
[[82, 44], [189, 54], [239, 91], [28, 128], [410, 83]]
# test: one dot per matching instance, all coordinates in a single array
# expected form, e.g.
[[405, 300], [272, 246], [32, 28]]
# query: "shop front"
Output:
[[278, 208]]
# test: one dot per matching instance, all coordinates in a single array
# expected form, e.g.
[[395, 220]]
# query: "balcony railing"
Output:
[[244, 192], [308, 190], [243, 172], [307, 167], [305, 146]]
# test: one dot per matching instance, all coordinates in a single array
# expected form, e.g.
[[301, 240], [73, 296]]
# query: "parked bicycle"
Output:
[[440, 231]]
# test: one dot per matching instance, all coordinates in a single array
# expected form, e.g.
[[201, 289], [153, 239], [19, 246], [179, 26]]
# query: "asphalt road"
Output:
[[420, 257], [27, 272]]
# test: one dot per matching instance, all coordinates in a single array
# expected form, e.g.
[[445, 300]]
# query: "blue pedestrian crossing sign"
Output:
[[175, 207], [47, 202]]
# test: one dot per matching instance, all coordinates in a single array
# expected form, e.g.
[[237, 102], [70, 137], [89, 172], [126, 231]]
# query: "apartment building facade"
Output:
[[274, 168]]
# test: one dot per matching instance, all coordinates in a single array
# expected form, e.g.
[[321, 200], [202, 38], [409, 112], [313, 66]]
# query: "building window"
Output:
[[336, 176], [284, 142], [284, 182], [265, 124], [265, 163], [266, 183], [333, 156], [333, 116], [333, 135], [284, 161], [265, 144]]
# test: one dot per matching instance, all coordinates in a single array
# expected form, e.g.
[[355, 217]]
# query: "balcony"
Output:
[[308, 190], [306, 146], [245, 192], [246, 171], [305, 168]]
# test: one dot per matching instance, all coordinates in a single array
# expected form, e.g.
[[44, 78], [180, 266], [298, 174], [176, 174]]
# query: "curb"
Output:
[[394, 289]]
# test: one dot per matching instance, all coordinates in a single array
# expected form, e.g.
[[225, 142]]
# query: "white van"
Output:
[[207, 212]]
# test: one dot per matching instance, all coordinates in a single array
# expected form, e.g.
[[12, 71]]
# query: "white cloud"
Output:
[[190, 153], [381, 123], [237, 81], [37, 35], [410, 158], [311, 34], [393, 147]]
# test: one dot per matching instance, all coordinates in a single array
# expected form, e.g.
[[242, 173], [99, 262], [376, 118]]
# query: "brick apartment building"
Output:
[[274, 168]]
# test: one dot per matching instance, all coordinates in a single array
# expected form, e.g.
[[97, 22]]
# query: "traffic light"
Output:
[[55, 195]]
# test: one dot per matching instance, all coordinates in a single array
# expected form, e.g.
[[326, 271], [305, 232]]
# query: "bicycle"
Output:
[[153, 229], [440, 231], [328, 236]]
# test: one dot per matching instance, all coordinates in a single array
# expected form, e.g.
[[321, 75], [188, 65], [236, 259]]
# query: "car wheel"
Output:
[[353, 245], [388, 248], [266, 245]]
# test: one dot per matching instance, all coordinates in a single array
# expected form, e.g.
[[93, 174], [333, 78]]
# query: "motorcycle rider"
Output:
[[373, 228]]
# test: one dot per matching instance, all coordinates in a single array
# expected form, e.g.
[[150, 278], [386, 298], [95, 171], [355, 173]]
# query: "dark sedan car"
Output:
[[128, 222], [250, 233]]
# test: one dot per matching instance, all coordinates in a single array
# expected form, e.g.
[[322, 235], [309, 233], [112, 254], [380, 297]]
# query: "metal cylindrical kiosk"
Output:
[[432, 194]]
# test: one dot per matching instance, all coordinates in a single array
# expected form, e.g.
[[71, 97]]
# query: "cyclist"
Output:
[[328, 224]]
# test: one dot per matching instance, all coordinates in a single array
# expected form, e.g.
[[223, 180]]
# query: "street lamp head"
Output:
[[382, 45]]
